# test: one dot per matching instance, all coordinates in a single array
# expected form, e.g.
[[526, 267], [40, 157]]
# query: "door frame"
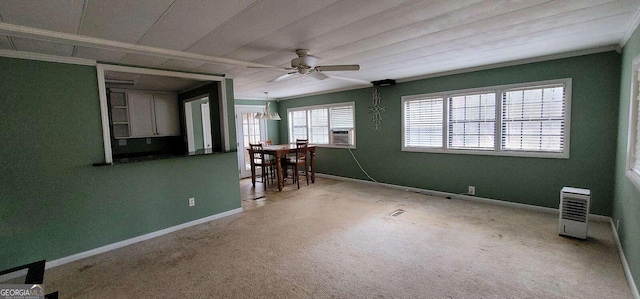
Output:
[[239, 109]]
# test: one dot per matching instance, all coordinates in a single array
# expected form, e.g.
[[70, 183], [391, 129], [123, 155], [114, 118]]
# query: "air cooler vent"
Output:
[[574, 212], [575, 209]]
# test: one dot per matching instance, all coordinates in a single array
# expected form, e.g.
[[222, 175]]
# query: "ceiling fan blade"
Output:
[[317, 75], [273, 68], [350, 80], [283, 77], [336, 68]]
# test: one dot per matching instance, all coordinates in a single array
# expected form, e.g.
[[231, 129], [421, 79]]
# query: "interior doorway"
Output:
[[250, 130]]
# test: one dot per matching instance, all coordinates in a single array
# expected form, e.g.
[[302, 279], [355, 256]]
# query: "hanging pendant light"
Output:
[[267, 111]]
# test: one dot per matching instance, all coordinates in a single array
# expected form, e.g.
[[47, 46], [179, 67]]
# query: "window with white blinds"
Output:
[[330, 125], [423, 123], [318, 126], [298, 125], [533, 119], [529, 119], [472, 121]]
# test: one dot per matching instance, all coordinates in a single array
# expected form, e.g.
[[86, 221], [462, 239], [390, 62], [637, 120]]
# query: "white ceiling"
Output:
[[393, 39]]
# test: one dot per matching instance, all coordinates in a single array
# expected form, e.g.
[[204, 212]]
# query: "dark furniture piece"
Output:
[[300, 159], [281, 150], [260, 159], [35, 275]]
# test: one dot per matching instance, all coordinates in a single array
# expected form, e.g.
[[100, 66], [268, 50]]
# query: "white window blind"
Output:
[[321, 123], [523, 120], [534, 119], [298, 124], [341, 117], [472, 121], [423, 119], [319, 126]]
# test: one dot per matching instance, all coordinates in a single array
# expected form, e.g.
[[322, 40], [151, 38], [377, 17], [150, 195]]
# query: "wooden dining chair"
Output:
[[299, 159], [259, 160], [269, 157]]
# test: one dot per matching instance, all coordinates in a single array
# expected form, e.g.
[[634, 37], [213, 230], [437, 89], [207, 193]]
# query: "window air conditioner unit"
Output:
[[341, 137], [574, 212]]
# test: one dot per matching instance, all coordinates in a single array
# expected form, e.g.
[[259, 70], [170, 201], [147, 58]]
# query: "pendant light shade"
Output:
[[267, 111]]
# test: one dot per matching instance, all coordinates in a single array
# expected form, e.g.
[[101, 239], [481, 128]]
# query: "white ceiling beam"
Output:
[[92, 42]]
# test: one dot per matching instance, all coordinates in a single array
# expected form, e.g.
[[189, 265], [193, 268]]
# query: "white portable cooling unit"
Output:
[[574, 212]]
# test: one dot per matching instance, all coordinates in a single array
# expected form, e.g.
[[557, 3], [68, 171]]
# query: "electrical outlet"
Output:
[[472, 190], [122, 142], [192, 202], [148, 140]]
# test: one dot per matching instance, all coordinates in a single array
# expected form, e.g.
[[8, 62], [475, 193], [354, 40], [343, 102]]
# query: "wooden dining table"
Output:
[[281, 151]]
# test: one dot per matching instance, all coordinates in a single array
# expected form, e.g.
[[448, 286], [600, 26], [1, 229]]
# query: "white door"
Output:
[[206, 126], [249, 130]]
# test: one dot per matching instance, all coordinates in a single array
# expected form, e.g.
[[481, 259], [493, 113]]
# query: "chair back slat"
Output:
[[256, 149], [301, 150]]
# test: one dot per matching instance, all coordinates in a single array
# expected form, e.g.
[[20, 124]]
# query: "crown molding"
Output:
[[92, 42], [513, 63], [45, 57], [632, 28]]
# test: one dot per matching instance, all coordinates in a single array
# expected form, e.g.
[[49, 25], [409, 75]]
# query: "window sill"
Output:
[[335, 146], [564, 155]]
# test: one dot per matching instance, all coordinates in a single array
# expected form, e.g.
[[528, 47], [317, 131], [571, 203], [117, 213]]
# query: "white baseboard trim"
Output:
[[88, 253], [460, 196], [623, 259]]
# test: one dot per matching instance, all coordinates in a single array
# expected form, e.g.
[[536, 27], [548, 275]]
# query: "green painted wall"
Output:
[[54, 203], [626, 203], [532, 181], [273, 126]]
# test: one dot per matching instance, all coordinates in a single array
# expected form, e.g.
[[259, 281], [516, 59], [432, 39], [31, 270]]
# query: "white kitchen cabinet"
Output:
[[149, 114], [166, 112], [141, 114]]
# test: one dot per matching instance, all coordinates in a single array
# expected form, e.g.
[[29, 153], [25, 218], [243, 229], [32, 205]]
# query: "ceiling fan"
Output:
[[305, 65]]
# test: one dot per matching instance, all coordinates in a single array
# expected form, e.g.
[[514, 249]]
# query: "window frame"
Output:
[[632, 136], [323, 106], [497, 149]]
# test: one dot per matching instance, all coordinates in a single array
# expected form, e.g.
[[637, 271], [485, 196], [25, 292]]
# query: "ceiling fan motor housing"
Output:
[[308, 62]]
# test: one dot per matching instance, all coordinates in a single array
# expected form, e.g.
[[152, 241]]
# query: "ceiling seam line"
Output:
[[151, 28], [164, 14], [85, 4], [222, 25], [213, 31]]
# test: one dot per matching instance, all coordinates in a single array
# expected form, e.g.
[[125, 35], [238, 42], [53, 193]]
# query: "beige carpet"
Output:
[[336, 240]]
